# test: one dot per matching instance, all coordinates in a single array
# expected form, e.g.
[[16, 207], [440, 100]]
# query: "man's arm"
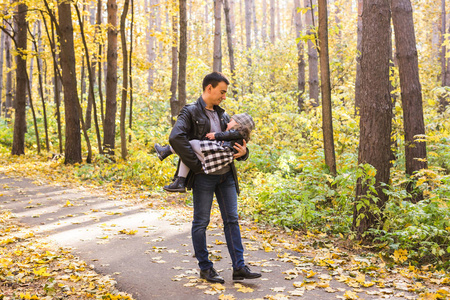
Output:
[[179, 141]]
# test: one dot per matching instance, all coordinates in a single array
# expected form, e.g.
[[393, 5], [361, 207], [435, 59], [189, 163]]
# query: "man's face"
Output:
[[217, 94]]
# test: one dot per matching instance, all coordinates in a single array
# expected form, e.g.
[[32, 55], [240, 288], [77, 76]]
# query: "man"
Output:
[[194, 122]]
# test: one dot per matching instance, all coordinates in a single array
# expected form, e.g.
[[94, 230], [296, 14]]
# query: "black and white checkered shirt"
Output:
[[216, 156]]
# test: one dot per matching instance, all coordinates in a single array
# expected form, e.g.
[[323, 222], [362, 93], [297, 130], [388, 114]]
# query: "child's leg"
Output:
[[183, 170], [195, 144]]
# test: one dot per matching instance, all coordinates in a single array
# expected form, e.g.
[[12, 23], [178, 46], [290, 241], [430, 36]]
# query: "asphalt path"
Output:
[[149, 252]]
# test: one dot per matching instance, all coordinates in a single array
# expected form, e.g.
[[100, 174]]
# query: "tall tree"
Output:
[[301, 60], [255, 24], [123, 105], [18, 147], [313, 61], [376, 115], [109, 127], [217, 62], [264, 23], [99, 60], [2, 48], [174, 107], [151, 44], [182, 58], [91, 80], [327, 117], [411, 90], [230, 38], [358, 57], [8, 85], [248, 24], [445, 64], [272, 21], [71, 103]]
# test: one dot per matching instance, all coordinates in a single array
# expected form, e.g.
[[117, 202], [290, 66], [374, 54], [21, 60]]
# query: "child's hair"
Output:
[[245, 125]]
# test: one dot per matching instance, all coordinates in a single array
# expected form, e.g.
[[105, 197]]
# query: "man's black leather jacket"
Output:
[[193, 123]]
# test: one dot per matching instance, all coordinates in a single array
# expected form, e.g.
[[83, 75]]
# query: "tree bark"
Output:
[[2, 48], [123, 105], [445, 65], [130, 123], [217, 62], [230, 38], [301, 54], [327, 117], [182, 58], [8, 86], [174, 107], [56, 79], [255, 24], [91, 81], [272, 21], [151, 47], [376, 115], [41, 85], [71, 103], [264, 22], [248, 24], [18, 147], [99, 62], [358, 58], [313, 61], [411, 90], [111, 81], [89, 59]]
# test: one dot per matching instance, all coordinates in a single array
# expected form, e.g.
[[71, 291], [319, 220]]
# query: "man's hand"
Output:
[[211, 136], [242, 150]]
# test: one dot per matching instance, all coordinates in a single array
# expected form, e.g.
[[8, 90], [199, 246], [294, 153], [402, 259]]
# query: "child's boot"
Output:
[[177, 186], [163, 151]]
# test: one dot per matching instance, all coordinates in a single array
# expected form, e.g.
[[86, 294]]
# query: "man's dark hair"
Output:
[[214, 79]]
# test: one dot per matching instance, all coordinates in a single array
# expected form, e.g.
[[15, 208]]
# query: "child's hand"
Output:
[[211, 136]]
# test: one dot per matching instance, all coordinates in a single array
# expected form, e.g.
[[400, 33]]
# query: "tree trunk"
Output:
[[41, 85], [8, 86], [358, 58], [130, 124], [18, 147], [264, 23], [99, 62], [217, 62], [445, 65], [411, 90], [327, 117], [272, 21], [91, 81], [301, 54], [111, 81], [255, 24], [123, 105], [71, 103], [30, 73], [248, 24], [151, 46], [230, 38], [91, 96], [312, 56], [182, 58], [56, 79], [174, 107], [376, 115], [2, 48]]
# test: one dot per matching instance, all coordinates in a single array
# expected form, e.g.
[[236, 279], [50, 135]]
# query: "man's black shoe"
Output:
[[244, 273], [211, 275], [162, 151], [177, 186]]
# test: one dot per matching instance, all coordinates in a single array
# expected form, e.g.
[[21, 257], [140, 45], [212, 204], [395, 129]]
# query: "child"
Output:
[[215, 153]]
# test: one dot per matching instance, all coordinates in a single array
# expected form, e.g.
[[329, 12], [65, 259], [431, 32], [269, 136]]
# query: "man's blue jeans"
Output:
[[224, 186]]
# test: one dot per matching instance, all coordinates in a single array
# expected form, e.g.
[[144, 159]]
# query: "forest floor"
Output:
[[72, 241]]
